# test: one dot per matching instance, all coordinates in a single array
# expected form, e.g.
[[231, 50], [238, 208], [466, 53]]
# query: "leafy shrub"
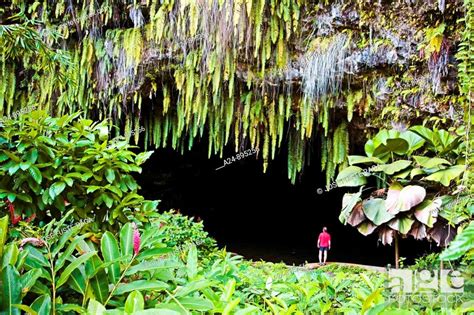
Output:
[[50, 165], [182, 231], [429, 262]]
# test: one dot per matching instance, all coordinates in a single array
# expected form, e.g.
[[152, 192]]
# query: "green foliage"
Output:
[[463, 244], [182, 231], [428, 262], [135, 272], [420, 156], [50, 165]]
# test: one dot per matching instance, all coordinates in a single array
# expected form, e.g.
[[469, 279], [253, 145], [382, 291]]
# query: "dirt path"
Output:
[[371, 268]]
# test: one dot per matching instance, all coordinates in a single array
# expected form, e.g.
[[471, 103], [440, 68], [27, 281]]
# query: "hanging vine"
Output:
[[185, 70]]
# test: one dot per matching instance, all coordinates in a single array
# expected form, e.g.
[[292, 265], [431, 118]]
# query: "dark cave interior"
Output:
[[263, 216]]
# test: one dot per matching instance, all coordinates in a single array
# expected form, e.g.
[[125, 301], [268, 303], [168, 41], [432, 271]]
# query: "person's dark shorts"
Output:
[[324, 248]]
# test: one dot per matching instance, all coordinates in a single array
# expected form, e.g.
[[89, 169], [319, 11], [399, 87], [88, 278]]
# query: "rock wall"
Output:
[[254, 73]]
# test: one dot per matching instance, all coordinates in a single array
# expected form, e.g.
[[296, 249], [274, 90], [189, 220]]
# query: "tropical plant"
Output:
[[420, 167], [50, 165], [182, 231]]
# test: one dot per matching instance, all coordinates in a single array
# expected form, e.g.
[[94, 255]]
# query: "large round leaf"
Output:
[[442, 233], [418, 231], [359, 159], [366, 228], [430, 162], [402, 224], [392, 168], [348, 203], [351, 176], [405, 199], [445, 176], [397, 145], [414, 141], [427, 211], [386, 236], [375, 211], [392, 197], [357, 215]]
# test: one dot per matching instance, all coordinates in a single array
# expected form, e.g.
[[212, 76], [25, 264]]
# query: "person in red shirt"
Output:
[[324, 244]]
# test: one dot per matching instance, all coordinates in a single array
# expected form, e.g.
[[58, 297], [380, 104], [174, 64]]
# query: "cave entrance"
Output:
[[262, 216]]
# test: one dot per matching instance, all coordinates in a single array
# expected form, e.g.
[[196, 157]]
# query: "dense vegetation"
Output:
[[142, 261], [242, 71], [320, 78]]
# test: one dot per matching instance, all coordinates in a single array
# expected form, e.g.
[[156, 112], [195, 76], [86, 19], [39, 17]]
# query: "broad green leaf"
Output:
[[153, 265], [193, 286], [32, 155], [348, 203], [229, 308], [29, 279], [392, 168], [228, 291], [430, 162], [35, 258], [65, 308], [56, 189], [415, 172], [69, 250], [134, 302], [359, 159], [42, 304], [373, 298], [77, 281], [10, 255], [161, 310], [110, 175], [427, 211], [375, 211], [72, 266], [369, 148], [414, 140], [424, 132], [153, 252], [249, 310], [191, 263], [447, 175], [95, 308], [98, 278], [398, 146], [462, 243], [126, 239], [108, 200], [366, 228], [402, 224], [141, 285], [110, 252], [351, 176], [196, 303], [3, 233], [28, 310], [142, 157], [11, 290], [24, 197]]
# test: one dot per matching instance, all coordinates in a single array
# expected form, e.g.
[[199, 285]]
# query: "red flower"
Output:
[[11, 208], [136, 239], [32, 217]]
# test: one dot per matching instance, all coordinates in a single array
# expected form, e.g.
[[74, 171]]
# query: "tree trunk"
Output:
[[396, 251]]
